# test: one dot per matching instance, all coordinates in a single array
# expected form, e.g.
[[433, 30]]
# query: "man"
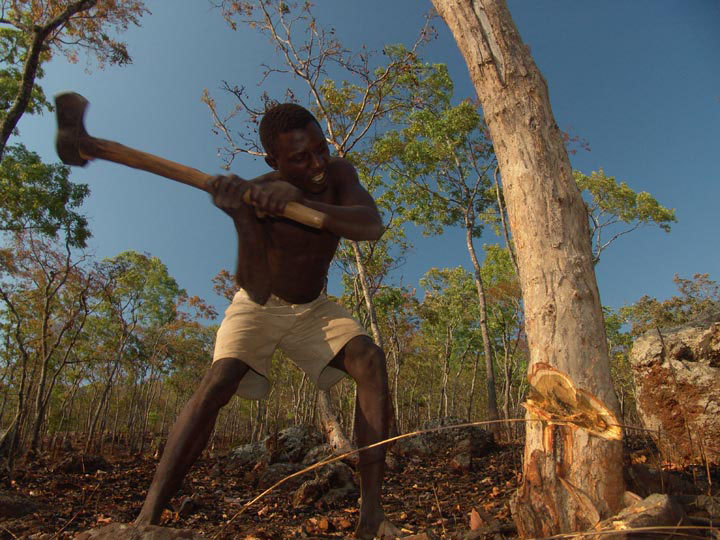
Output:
[[282, 270]]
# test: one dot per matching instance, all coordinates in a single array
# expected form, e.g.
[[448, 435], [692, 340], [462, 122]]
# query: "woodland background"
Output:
[[103, 352]]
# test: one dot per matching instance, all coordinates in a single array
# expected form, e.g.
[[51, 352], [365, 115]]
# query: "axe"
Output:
[[76, 147]]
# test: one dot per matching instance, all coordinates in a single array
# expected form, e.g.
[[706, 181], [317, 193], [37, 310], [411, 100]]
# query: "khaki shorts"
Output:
[[310, 334]]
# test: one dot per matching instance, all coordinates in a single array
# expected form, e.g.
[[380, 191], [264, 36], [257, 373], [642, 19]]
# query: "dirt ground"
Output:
[[57, 497]]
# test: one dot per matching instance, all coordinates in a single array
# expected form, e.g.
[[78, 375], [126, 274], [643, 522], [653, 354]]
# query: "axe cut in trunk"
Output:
[[75, 147]]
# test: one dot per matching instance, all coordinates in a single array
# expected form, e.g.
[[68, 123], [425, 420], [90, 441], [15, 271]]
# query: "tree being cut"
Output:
[[572, 477]]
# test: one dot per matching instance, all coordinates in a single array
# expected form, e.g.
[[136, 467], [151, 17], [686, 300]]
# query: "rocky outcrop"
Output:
[[677, 381], [461, 444], [281, 455]]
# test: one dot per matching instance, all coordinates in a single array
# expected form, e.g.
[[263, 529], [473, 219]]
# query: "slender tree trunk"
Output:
[[330, 425], [503, 221], [570, 478], [100, 405], [442, 402], [471, 399], [487, 348]]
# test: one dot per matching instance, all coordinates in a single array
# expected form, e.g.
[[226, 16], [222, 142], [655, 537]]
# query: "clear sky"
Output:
[[640, 81]]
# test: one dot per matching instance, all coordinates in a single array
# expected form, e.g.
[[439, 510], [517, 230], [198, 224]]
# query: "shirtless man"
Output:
[[282, 270]]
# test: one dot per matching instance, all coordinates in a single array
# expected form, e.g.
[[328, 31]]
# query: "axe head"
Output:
[[70, 110]]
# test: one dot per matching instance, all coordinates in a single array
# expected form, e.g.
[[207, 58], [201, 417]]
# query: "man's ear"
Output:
[[271, 161]]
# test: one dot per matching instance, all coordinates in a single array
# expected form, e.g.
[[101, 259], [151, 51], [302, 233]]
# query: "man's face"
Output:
[[301, 157]]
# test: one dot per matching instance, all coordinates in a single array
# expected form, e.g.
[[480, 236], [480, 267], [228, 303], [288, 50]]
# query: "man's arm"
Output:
[[356, 216]]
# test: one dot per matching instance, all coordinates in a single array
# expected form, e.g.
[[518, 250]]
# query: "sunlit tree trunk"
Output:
[[569, 477]]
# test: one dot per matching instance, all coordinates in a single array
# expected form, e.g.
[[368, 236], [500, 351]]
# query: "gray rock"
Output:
[[15, 506], [276, 472], [296, 441], [247, 454], [333, 483], [122, 531], [316, 454], [677, 381], [83, 464]]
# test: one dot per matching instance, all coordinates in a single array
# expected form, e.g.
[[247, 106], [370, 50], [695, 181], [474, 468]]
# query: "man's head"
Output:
[[295, 146], [280, 119]]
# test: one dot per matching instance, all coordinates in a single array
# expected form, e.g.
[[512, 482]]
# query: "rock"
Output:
[[276, 472], [333, 483], [677, 380], [291, 445], [412, 446], [15, 506], [247, 455], [122, 531], [316, 454], [645, 480], [654, 511], [461, 462], [473, 439], [83, 464], [295, 442], [392, 463]]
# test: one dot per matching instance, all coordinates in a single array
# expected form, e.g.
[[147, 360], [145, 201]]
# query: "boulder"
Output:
[[456, 440], [657, 510], [295, 442], [677, 381], [332, 485], [122, 531], [83, 464], [290, 445], [247, 455], [15, 506]]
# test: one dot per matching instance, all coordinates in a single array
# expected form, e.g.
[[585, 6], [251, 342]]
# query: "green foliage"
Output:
[[13, 53], [698, 296], [449, 308], [437, 162], [40, 197], [613, 204], [619, 347]]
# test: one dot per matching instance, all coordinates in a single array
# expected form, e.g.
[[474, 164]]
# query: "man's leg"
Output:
[[365, 362], [190, 435]]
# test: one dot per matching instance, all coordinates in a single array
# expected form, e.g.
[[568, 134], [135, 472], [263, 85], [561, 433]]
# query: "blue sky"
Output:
[[640, 81]]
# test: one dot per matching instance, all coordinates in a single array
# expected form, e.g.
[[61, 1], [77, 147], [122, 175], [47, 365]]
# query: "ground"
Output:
[[421, 495]]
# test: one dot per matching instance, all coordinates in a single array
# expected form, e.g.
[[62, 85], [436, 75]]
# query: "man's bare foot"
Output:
[[384, 531]]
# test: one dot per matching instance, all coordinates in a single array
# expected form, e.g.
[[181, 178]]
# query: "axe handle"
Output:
[[91, 147]]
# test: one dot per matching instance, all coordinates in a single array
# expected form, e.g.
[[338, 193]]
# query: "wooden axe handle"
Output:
[[91, 147]]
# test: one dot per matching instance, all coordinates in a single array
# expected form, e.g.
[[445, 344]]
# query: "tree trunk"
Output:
[[487, 349], [471, 399], [330, 425], [570, 478]]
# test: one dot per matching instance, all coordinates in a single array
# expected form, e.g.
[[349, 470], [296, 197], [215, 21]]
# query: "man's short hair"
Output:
[[280, 119]]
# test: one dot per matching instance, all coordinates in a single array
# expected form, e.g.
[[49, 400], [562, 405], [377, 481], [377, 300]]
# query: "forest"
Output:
[[99, 355]]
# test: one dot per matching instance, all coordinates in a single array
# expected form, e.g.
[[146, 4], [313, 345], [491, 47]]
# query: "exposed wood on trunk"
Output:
[[565, 471]]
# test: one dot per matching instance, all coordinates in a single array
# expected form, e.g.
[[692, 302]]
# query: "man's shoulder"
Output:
[[342, 168]]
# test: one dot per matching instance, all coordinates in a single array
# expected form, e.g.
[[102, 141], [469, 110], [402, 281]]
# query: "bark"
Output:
[[569, 477]]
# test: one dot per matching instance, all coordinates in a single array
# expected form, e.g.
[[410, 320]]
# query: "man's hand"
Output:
[[272, 197], [227, 191]]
